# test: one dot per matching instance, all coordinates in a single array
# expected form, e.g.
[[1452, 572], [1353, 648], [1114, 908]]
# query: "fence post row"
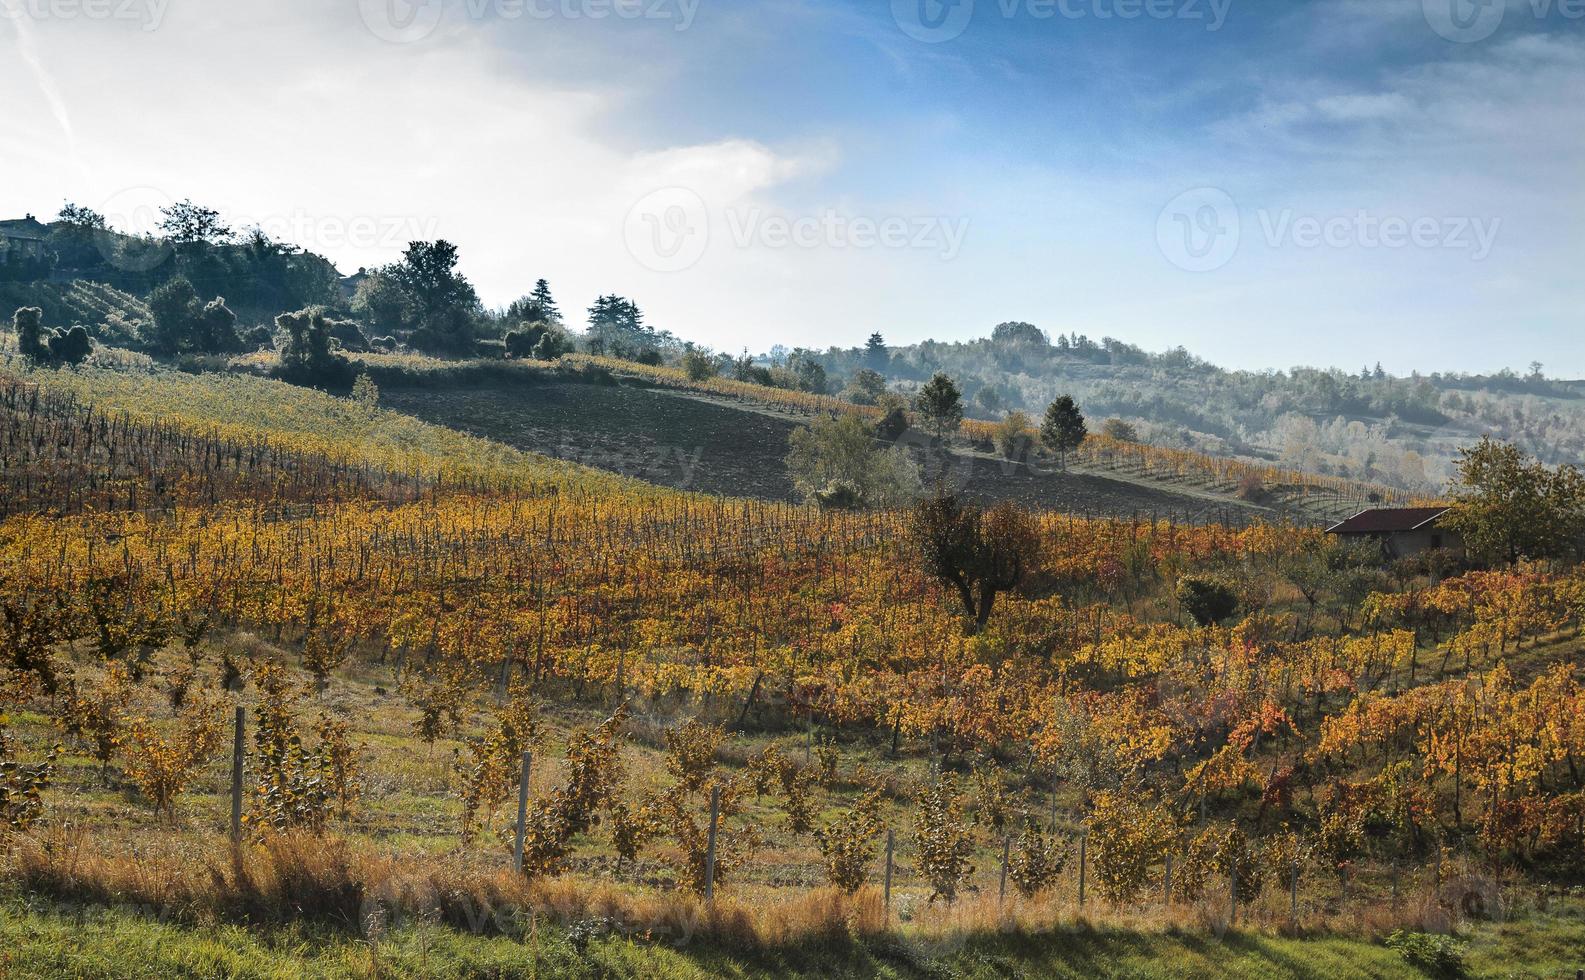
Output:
[[522, 813]]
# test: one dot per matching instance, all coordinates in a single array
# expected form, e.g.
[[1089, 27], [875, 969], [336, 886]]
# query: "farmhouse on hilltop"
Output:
[[23, 240], [1401, 531]]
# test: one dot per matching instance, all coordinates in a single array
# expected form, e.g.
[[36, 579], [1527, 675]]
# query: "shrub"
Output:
[[690, 753], [1036, 860], [942, 840], [1014, 436], [21, 788], [70, 346], [308, 357], [259, 338], [847, 843], [594, 771], [1440, 956], [1126, 839], [893, 424], [1252, 488], [555, 345], [28, 323], [520, 343], [1120, 430], [1208, 600], [294, 786], [163, 767], [698, 365]]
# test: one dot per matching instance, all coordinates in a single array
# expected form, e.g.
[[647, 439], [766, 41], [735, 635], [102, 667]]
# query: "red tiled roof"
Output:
[[1383, 520]]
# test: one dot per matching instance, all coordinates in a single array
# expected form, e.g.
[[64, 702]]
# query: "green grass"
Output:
[[39, 940]]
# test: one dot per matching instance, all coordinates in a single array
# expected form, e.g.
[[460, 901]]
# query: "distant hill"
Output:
[[1367, 425]]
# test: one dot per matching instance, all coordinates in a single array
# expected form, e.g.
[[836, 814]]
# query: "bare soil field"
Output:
[[713, 446]]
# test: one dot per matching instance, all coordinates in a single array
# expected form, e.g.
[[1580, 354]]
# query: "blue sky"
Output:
[[1267, 184]]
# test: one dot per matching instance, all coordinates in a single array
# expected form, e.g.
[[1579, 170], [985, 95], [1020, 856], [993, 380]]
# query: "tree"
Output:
[[215, 328], [865, 388], [875, 350], [441, 298], [1508, 506], [186, 223], [834, 461], [382, 303], [978, 553], [176, 310], [1018, 334], [28, 323], [1120, 430], [940, 404], [308, 357], [81, 217], [542, 306], [810, 373], [182, 323], [616, 326], [1062, 431]]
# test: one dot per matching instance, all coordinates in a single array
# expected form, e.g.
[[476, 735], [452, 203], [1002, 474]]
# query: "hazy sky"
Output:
[[1269, 184]]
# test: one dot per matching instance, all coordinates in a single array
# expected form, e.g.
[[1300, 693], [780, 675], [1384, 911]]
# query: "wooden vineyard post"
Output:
[[1232, 894], [522, 813], [1007, 847], [1293, 896], [709, 854], [237, 756], [891, 842], [1084, 842]]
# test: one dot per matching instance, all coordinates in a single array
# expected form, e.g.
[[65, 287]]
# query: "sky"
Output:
[[1269, 184]]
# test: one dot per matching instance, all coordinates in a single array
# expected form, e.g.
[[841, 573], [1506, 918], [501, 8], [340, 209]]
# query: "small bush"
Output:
[[1208, 600], [1440, 956]]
